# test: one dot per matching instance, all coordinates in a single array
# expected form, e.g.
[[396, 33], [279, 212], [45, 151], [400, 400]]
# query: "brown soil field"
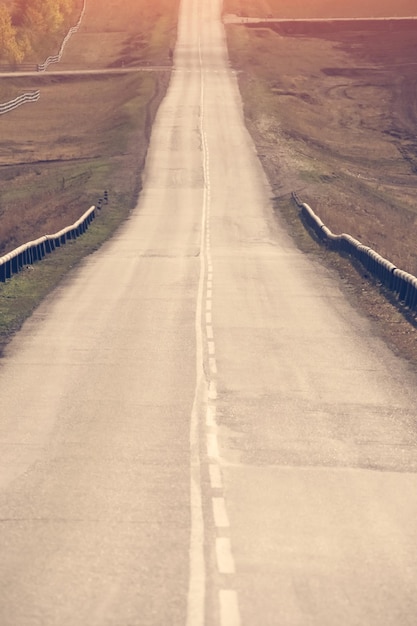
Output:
[[311, 9], [86, 133], [332, 109]]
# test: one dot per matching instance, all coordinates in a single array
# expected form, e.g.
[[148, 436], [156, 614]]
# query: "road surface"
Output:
[[196, 428]]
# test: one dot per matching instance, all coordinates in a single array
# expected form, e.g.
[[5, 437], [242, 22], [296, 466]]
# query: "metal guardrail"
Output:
[[17, 102], [29, 253], [402, 284], [57, 57]]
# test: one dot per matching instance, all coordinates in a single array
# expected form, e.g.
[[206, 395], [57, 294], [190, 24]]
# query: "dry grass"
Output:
[[58, 155], [336, 113]]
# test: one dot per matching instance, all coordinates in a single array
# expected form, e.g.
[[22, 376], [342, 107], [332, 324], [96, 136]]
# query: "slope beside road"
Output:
[[196, 427]]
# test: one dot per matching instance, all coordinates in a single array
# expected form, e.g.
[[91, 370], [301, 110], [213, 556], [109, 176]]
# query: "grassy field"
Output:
[[333, 115], [85, 135], [320, 8], [342, 107], [58, 155]]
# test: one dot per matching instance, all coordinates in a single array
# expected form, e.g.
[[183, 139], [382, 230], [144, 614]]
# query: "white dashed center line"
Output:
[[227, 597], [225, 560], [221, 519]]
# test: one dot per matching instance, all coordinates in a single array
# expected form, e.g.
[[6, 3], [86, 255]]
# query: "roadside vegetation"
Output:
[[32, 28], [332, 112], [86, 134]]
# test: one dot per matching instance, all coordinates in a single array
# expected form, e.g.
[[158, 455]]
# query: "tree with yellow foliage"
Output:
[[31, 25], [9, 47]]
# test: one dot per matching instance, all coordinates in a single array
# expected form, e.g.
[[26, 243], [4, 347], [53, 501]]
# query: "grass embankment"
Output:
[[85, 135], [332, 115]]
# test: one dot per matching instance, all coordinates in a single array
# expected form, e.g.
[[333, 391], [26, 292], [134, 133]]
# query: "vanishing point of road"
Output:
[[196, 428]]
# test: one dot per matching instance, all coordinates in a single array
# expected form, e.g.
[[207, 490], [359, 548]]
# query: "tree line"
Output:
[[27, 25]]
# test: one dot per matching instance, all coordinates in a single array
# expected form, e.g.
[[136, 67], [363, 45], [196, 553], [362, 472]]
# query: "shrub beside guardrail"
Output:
[[402, 284], [33, 251]]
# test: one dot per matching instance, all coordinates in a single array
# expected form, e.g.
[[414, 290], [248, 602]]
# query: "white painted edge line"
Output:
[[229, 608], [210, 347], [209, 331], [225, 560]]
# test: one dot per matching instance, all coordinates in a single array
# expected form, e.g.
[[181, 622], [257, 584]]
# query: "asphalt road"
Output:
[[196, 428]]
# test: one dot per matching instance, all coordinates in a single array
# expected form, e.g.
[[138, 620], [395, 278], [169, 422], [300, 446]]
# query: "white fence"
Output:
[[6, 107], [57, 57], [17, 102]]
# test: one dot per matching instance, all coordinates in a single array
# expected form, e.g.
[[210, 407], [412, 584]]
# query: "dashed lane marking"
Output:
[[212, 446], [211, 416], [212, 390], [216, 480], [225, 560], [228, 601], [229, 608], [221, 519], [213, 365]]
